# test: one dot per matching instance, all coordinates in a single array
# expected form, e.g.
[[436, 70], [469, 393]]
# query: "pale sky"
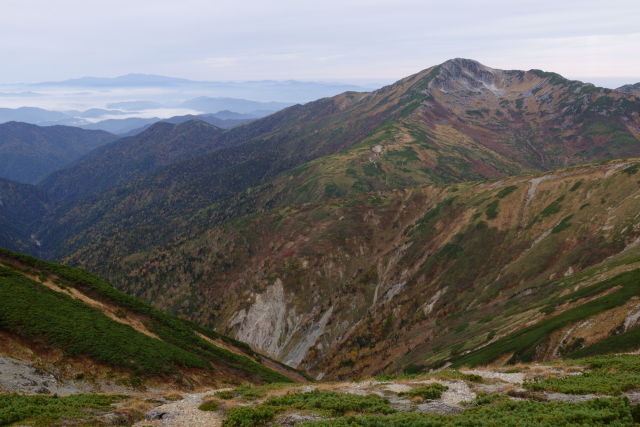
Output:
[[345, 40]]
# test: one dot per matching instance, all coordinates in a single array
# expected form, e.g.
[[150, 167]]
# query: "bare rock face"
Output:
[[633, 396], [19, 376], [157, 415], [271, 326], [466, 74], [290, 420], [563, 397], [118, 418], [439, 407], [266, 321]]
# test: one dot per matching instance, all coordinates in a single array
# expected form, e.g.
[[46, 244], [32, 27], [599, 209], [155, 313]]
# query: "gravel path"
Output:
[[457, 396], [457, 392], [512, 378], [184, 413]]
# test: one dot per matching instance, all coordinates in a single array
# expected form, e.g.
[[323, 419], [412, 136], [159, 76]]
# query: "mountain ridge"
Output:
[[130, 157], [633, 89], [30, 152], [451, 191]]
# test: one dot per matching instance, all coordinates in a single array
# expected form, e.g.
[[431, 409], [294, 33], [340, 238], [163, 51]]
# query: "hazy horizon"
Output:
[[370, 84], [353, 42]]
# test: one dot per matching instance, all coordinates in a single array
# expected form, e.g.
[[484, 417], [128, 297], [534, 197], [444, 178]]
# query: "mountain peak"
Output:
[[160, 126], [631, 89], [464, 74], [195, 123], [466, 63]]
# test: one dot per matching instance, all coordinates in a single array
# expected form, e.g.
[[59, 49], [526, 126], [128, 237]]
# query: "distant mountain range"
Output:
[[221, 119], [264, 90], [33, 115], [213, 105], [132, 79], [226, 112], [123, 104], [134, 125]]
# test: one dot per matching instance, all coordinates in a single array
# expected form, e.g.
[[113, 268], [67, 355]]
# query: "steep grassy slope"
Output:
[[407, 277], [69, 315], [30, 152], [591, 304]]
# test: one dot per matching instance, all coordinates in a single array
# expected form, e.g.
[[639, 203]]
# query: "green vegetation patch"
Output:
[[553, 78], [225, 394], [429, 391], [406, 154], [371, 169], [209, 405], [575, 186], [403, 376], [250, 393], [427, 222], [626, 341], [452, 374], [562, 225], [612, 375], [523, 343], [553, 208], [332, 402], [250, 416], [601, 127], [49, 410], [489, 398], [492, 209], [328, 403], [504, 413], [78, 329], [506, 191]]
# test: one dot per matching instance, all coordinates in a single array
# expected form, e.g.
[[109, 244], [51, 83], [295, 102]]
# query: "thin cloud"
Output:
[[332, 39], [221, 61]]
